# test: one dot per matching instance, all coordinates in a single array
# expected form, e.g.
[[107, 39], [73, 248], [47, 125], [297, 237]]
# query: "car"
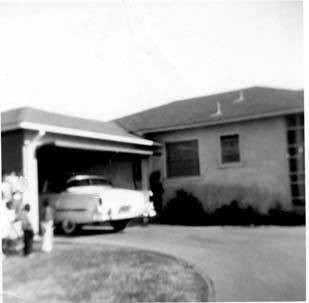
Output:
[[92, 199]]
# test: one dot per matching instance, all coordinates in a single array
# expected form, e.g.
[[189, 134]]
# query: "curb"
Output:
[[210, 284]]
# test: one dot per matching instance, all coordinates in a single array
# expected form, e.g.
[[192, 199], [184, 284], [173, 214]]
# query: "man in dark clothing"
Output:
[[157, 190]]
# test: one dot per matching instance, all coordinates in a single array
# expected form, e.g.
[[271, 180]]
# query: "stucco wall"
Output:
[[11, 151], [260, 179]]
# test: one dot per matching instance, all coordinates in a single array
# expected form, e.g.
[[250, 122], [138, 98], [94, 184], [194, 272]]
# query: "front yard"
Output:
[[87, 273]]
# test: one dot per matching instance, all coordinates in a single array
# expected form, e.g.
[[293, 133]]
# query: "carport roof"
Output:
[[40, 120]]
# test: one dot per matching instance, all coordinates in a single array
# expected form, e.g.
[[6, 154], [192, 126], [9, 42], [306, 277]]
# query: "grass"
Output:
[[100, 274]]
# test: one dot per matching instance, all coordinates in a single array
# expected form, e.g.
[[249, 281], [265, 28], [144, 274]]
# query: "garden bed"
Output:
[[76, 273]]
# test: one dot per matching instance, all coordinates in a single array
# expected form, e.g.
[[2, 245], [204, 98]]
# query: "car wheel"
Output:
[[57, 228], [119, 225], [69, 227]]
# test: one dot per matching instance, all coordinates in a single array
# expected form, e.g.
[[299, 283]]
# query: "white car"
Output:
[[93, 199]]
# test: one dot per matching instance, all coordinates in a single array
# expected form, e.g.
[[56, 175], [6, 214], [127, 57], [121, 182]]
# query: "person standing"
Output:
[[8, 218], [47, 227], [157, 190], [27, 229]]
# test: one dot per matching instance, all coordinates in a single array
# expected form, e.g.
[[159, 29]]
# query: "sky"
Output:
[[104, 60]]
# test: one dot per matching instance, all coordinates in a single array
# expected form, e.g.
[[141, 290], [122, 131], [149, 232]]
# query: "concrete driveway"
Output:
[[245, 264]]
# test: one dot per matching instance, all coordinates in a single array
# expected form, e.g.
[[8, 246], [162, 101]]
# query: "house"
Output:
[[47, 147], [245, 145]]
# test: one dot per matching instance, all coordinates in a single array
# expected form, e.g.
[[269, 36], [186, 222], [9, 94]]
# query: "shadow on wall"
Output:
[[230, 206]]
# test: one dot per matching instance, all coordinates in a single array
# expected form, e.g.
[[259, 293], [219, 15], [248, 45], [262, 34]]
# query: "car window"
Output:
[[75, 183], [100, 182], [86, 182], [52, 186]]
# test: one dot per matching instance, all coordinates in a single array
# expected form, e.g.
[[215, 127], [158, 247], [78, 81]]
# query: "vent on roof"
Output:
[[218, 112], [240, 98]]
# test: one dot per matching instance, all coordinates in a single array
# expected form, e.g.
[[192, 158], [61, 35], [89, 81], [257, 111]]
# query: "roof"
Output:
[[232, 106], [35, 119]]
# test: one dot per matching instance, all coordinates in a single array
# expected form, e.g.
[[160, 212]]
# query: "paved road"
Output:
[[245, 264]]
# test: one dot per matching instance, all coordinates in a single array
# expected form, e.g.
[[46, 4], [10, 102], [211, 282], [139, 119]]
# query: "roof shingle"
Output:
[[257, 101]]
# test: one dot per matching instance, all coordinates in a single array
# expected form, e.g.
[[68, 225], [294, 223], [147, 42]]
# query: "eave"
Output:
[[225, 121]]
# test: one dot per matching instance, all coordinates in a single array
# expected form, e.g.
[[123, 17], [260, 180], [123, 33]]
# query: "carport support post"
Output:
[[145, 172], [30, 196], [30, 172]]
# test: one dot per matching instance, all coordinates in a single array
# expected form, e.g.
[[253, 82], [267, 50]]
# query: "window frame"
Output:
[[232, 163], [167, 175], [296, 159]]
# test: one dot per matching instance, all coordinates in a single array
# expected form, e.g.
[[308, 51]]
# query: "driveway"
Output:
[[245, 264]]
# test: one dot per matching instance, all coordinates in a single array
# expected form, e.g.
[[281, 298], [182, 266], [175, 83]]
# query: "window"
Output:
[[89, 181], [230, 149], [182, 159], [295, 148], [75, 183], [100, 181]]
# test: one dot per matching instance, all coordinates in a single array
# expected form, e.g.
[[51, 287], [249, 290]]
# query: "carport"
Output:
[[47, 147], [121, 167]]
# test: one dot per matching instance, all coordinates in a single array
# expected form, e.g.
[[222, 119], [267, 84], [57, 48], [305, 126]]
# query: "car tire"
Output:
[[57, 228], [119, 225], [69, 227]]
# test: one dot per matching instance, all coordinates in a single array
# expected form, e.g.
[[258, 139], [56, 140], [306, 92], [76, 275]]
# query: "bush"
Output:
[[279, 216], [183, 208], [229, 205], [234, 214], [215, 195]]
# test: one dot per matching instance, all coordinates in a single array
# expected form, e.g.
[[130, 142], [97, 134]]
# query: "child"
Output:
[[47, 228], [27, 229]]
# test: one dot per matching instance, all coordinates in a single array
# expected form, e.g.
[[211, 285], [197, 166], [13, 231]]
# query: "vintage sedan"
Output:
[[89, 199]]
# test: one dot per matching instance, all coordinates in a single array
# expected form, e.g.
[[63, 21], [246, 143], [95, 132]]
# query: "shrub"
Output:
[[234, 214], [279, 216], [183, 208], [215, 204]]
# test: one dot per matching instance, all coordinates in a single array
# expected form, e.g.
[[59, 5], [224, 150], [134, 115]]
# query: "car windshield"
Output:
[[91, 181]]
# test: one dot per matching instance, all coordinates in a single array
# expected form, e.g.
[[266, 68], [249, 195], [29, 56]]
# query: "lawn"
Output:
[[76, 273]]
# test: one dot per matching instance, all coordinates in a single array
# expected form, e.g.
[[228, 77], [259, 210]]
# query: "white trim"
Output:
[[98, 147], [78, 133], [214, 123], [231, 165], [8, 127]]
